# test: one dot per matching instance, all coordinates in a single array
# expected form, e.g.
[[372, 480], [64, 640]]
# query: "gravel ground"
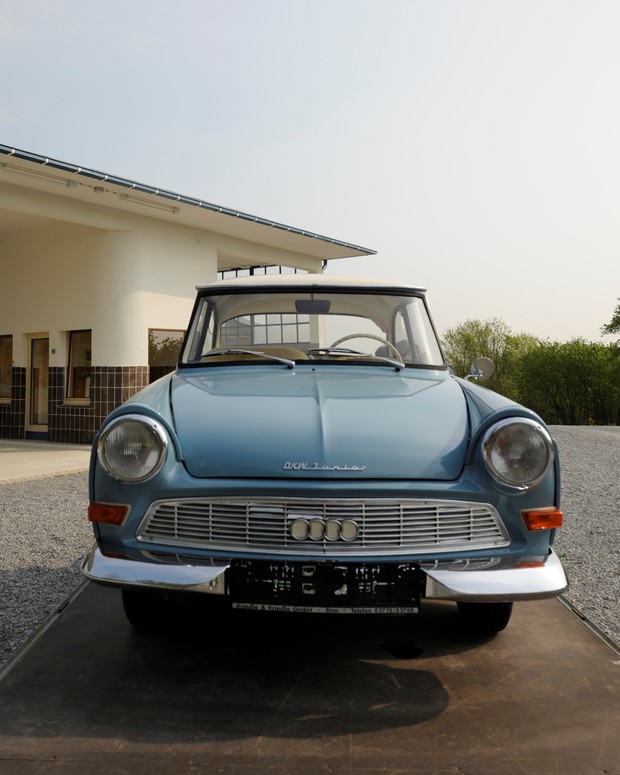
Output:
[[589, 541], [44, 533]]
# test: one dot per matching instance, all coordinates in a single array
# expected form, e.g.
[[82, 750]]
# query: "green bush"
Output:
[[570, 383], [574, 383]]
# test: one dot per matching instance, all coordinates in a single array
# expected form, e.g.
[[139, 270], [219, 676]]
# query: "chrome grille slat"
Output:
[[385, 526]]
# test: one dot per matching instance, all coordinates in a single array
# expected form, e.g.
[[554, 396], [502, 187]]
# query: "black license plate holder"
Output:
[[325, 586]]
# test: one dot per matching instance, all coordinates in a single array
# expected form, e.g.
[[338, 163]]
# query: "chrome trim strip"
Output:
[[508, 579]]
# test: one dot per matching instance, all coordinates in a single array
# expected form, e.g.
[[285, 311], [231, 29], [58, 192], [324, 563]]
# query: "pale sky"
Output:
[[475, 144]]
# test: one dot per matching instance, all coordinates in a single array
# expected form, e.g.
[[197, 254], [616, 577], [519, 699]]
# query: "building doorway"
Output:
[[37, 387]]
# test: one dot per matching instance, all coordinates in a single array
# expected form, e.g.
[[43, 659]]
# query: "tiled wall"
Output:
[[71, 424], [12, 415]]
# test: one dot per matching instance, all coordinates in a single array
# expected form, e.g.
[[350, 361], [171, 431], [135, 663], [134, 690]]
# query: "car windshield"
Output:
[[308, 325]]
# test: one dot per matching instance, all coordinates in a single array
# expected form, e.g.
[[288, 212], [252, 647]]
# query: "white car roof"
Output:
[[306, 280]]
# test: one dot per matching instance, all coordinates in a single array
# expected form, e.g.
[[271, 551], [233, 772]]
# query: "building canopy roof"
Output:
[[81, 183]]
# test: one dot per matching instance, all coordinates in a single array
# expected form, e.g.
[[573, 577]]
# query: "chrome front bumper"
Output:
[[474, 581], [505, 580], [124, 572]]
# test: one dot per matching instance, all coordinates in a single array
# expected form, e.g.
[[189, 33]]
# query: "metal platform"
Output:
[[243, 693]]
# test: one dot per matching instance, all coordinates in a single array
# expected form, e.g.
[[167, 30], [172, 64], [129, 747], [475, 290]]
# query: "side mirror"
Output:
[[482, 368]]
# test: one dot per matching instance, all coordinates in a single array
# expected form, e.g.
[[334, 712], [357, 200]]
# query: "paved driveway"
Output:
[[24, 460]]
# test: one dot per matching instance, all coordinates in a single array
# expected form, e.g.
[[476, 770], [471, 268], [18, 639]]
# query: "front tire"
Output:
[[484, 619], [148, 610]]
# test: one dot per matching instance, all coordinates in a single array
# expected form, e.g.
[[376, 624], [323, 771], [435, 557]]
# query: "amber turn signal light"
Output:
[[111, 513], [542, 519]]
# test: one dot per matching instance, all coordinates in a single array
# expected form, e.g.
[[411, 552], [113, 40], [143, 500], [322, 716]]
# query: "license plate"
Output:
[[325, 587]]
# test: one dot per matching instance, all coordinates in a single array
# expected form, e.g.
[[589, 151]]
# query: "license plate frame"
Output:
[[325, 587]]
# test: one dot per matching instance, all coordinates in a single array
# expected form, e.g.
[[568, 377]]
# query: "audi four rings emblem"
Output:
[[315, 529]]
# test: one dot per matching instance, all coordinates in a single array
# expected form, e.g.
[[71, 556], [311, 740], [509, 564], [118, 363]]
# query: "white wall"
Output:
[[82, 264], [144, 280], [65, 277]]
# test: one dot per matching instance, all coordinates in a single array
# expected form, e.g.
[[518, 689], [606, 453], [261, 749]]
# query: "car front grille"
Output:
[[381, 527]]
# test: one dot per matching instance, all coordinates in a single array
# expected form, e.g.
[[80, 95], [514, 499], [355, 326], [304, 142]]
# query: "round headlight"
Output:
[[132, 448], [517, 452]]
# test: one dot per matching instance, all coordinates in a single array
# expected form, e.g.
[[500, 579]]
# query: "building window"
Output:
[[78, 382], [164, 347], [266, 329], [252, 271], [6, 367]]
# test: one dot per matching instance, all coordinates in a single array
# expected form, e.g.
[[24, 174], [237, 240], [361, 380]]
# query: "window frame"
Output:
[[70, 398], [6, 398], [182, 332], [426, 350]]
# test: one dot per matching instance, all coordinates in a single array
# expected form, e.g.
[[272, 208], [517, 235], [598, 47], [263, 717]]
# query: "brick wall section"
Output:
[[109, 387], [71, 424], [12, 416]]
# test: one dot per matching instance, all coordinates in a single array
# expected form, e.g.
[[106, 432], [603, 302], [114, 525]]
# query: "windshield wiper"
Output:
[[399, 365], [237, 351]]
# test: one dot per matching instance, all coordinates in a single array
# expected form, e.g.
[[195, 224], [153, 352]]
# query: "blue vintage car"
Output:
[[314, 452]]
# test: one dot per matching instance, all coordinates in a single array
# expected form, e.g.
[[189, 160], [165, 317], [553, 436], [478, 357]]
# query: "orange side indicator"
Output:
[[542, 519], [111, 513]]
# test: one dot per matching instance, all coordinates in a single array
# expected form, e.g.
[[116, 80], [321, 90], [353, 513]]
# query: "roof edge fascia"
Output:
[[170, 196]]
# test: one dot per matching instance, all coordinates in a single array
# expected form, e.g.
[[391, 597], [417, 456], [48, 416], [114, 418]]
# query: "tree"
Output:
[[574, 383], [493, 339], [613, 327]]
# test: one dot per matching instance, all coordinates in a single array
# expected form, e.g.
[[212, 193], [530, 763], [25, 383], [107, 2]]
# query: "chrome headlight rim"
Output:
[[491, 436], [158, 434]]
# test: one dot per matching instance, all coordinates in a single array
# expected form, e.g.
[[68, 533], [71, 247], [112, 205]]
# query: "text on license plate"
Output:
[[302, 609]]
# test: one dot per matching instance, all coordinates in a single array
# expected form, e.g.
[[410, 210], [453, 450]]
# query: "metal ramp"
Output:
[[246, 693]]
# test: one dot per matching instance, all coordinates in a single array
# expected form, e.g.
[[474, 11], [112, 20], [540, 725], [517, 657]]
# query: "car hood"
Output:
[[323, 422]]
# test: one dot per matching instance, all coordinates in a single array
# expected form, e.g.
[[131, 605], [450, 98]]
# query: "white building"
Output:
[[93, 267]]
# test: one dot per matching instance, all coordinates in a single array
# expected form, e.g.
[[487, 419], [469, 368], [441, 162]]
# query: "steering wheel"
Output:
[[389, 345]]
